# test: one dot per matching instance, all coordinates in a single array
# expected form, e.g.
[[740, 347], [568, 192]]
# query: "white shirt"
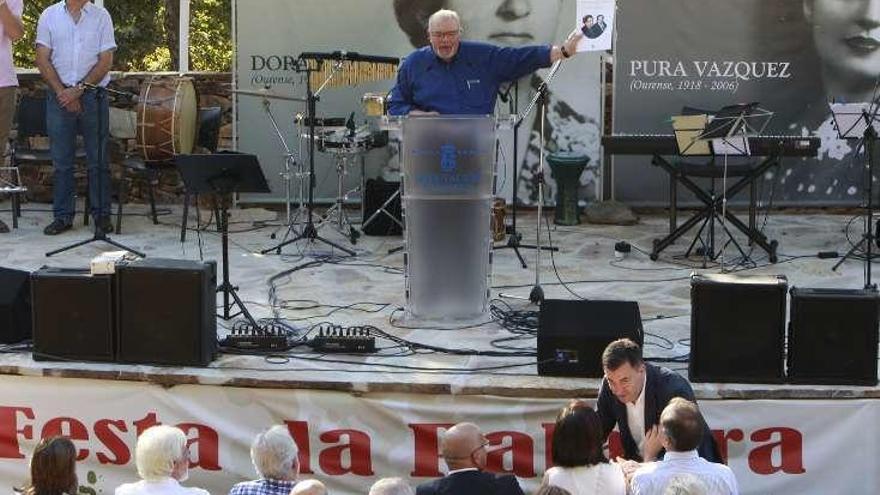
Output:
[[635, 417], [7, 68], [653, 477], [605, 478], [75, 45], [167, 486]]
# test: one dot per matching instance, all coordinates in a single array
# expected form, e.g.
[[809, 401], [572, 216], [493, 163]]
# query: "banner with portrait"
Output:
[[271, 34], [791, 56]]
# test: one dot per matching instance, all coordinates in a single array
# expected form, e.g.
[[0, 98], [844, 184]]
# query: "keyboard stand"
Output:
[[713, 206]]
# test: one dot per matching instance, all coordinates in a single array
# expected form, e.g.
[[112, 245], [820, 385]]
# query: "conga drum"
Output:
[[167, 118], [566, 168]]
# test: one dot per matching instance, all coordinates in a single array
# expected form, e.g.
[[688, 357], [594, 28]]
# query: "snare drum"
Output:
[[375, 104], [343, 141], [167, 118]]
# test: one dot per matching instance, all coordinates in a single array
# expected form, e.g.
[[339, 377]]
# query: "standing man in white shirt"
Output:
[[681, 427], [11, 30], [75, 46]]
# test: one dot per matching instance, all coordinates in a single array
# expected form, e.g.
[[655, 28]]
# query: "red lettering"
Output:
[[9, 431], [426, 443], [207, 446], [116, 446], [358, 447], [69, 427], [522, 449], [615, 445], [722, 439], [299, 431], [790, 447], [147, 421], [549, 428]]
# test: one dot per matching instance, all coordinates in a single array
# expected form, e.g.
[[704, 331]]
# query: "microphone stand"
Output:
[[100, 235], [514, 237], [536, 295]]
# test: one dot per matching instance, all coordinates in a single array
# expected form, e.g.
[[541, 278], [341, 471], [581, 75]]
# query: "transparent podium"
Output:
[[448, 178]]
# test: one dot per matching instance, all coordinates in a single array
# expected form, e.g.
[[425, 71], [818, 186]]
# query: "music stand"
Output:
[[223, 174], [859, 121]]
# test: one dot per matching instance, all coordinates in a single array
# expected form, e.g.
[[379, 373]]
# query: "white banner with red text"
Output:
[[349, 440]]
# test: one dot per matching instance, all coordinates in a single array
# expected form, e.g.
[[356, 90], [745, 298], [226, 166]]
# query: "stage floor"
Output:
[[367, 289]]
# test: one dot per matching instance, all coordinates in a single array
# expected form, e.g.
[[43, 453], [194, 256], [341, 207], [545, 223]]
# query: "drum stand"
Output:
[[288, 175], [343, 224], [100, 235], [309, 232]]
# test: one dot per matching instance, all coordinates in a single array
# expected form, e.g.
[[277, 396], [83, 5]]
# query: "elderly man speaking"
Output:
[[274, 455], [462, 77]]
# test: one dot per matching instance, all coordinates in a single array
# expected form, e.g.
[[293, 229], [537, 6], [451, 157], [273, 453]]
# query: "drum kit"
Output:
[[338, 137]]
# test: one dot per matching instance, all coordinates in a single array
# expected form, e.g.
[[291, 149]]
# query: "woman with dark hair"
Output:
[[53, 468], [579, 464]]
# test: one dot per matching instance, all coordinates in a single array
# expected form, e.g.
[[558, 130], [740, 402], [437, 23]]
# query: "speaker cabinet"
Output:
[[573, 334], [737, 328], [15, 306], [376, 194], [72, 314], [166, 312], [832, 336]]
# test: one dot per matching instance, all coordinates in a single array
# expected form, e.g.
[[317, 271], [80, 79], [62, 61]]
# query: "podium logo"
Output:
[[448, 158]]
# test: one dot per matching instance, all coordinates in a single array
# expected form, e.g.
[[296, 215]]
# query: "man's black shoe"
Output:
[[3, 227], [106, 224], [57, 226]]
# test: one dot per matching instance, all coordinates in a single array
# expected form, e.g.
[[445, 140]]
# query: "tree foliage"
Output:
[[147, 32]]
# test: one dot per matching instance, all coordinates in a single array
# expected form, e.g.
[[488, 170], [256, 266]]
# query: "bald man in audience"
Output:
[[309, 487], [464, 450], [681, 426]]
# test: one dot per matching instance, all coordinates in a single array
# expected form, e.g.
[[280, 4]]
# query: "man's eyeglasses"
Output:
[[483, 445], [438, 35]]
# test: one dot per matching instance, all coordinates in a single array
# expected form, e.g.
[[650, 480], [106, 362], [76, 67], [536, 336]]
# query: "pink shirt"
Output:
[[7, 68]]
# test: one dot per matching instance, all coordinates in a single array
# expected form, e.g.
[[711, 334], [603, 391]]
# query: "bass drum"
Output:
[[167, 118]]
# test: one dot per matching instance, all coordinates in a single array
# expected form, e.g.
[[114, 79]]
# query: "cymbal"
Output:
[[266, 94]]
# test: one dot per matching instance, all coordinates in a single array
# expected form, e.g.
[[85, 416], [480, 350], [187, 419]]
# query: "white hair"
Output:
[[443, 14], [273, 453], [685, 484], [309, 487], [391, 486], [158, 449]]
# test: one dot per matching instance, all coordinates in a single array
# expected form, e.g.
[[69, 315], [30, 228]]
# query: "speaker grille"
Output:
[[832, 336], [737, 329]]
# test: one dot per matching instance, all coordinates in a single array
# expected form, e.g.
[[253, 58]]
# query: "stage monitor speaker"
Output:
[[737, 328], [73, 315], [15, 306], [573, 334], [376, 194], [167, 312], [832, 336]]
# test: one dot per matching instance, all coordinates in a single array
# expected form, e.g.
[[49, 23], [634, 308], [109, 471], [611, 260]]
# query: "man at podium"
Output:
[[456, 77]]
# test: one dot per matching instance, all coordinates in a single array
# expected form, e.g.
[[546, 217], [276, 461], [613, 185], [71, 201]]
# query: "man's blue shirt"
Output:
[[466, 85]]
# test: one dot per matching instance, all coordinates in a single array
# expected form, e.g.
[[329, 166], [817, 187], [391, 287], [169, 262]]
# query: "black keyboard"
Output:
[[665, 144]]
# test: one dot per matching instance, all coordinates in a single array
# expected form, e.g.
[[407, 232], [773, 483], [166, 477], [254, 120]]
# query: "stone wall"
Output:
[[213, 90]]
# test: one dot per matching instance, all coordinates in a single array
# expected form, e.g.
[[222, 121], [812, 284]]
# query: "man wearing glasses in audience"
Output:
[[464, 450], [458, 77]]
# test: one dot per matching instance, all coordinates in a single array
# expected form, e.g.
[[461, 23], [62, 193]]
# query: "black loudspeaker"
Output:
[[167, 312], [73, 315], [376, 194], [832, 336], [15, 306], [573, 334], [737, 328]]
